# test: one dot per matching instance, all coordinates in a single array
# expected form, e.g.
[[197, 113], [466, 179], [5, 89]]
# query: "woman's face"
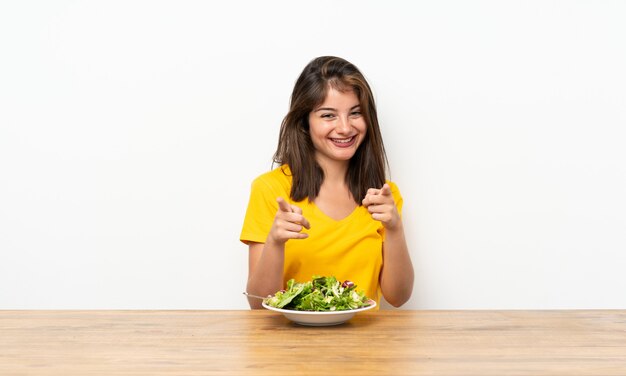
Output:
[[337, 127]]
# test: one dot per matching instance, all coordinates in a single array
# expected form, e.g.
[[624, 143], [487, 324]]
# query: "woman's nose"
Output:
[[343, 125]]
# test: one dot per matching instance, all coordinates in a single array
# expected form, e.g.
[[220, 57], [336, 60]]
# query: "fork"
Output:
[[255, 296]]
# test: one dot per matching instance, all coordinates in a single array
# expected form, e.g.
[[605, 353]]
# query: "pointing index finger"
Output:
[[386, 190], [283, 205]]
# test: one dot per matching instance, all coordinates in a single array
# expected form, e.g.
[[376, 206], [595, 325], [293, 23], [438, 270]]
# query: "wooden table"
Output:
[[265, 343]]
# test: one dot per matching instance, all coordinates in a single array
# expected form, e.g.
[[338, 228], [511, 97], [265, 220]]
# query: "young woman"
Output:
[[328, 209]]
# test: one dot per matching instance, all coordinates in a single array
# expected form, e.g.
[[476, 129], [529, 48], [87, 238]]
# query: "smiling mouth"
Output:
[[343, 142]]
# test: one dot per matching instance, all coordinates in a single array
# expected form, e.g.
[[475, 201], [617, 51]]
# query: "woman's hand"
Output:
[[288, 223], [380, 203]]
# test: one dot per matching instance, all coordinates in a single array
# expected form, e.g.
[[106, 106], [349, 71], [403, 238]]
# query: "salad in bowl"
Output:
[[321, 301]]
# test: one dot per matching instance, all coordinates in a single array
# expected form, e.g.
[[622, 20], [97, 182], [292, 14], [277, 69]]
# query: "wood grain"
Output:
[[265, 343]]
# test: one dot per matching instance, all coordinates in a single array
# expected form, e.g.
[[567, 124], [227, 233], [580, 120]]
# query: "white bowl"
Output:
[[322, 318]]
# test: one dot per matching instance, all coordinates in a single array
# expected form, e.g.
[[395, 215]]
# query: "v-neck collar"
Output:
[[326, 216]]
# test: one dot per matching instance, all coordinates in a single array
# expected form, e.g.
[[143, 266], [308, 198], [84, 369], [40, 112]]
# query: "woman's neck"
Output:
[[335, 172], [334, 198]]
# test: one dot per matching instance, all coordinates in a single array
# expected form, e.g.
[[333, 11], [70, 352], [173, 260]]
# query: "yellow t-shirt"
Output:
[[349, 249]]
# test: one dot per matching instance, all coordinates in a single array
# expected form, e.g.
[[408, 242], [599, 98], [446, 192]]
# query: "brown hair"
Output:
[[295, 147]]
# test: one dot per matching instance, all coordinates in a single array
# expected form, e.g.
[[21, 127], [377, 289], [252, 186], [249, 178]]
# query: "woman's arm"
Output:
[[396, 278], [266, 260], [265, 271]]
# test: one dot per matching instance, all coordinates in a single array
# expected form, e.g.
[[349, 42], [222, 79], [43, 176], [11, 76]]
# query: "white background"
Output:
[[130, 132]]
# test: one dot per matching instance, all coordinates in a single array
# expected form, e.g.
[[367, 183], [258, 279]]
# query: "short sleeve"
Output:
[[260, 213]]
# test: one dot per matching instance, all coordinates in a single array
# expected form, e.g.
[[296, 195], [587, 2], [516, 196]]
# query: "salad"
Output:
[[319, 294]]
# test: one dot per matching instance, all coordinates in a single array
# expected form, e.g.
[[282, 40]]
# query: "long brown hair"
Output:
[[295, 147]]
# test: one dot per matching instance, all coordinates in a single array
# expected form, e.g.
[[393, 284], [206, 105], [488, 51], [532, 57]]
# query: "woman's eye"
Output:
[[328, 116], [356, 113]]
